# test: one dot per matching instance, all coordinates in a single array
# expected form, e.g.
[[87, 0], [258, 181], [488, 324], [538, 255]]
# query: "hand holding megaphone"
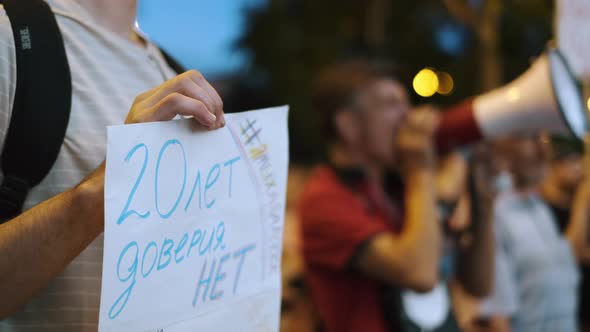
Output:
[[414, 148], [545, 98]]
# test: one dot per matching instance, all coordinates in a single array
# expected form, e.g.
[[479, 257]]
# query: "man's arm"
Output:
[[475, 265], [38, 244], [466, 310], [410, 259], [578, 229]]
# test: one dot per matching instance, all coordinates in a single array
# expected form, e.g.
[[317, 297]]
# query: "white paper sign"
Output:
[[193, 225], [573, 34]]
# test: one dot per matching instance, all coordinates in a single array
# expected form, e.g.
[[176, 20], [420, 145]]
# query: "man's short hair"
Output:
[[337, 86]]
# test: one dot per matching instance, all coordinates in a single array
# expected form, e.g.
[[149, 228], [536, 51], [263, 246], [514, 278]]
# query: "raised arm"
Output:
[[410, 259], [578, 230], [475, 264]]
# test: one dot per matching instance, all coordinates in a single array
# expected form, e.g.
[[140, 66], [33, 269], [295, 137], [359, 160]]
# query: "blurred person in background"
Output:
[[490, 171], [536, 277], [371, 231], [566, 189], [460, 183]]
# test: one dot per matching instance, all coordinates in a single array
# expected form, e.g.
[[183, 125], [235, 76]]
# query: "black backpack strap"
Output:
[[175, 65], [42, 102]]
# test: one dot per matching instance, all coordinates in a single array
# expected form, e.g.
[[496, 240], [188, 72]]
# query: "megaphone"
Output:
[[546, 97]]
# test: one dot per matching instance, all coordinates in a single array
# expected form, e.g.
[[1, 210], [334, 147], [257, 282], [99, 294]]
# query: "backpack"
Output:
[[42, 102]]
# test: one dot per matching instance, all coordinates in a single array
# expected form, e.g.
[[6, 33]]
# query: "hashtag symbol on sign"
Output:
[[250, 132]]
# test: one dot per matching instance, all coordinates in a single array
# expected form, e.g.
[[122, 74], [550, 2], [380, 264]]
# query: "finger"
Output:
[[182, 84], [156, 95], [200, 80], [178, 104], [192, 90], [145, 95]]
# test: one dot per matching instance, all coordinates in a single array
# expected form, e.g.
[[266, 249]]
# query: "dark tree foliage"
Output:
[[289, 41]]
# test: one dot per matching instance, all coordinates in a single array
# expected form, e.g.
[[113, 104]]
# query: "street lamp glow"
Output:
[[445, 83], [425, 82]]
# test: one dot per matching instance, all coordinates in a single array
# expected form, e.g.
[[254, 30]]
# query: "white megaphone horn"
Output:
[[546, 97]]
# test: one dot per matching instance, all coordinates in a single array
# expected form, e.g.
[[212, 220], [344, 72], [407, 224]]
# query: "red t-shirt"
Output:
[[336, 224]]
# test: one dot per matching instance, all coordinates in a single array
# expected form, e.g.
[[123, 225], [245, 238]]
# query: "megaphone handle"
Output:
[[458, 127]]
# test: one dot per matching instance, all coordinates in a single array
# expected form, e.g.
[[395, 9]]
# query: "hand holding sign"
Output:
[[193, 235], [188, 94]]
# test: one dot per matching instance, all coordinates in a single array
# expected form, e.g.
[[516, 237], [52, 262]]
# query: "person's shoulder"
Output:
[[3, 12], [5, 28], [7, 65], [325, 197], [6, 36], [506, 209], [505, 202], [321, 183]]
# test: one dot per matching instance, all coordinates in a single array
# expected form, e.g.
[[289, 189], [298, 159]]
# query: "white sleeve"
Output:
[[503, 301], [7, 73]]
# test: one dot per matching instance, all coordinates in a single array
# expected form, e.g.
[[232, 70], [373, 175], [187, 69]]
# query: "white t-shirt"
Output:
[[535, 276], [108, 72]]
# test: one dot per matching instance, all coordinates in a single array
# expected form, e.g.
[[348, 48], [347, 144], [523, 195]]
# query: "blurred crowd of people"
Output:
[[388, 234]]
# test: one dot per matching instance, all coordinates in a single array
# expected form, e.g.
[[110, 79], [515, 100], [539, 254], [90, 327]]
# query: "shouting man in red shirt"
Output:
[[369, 216]]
